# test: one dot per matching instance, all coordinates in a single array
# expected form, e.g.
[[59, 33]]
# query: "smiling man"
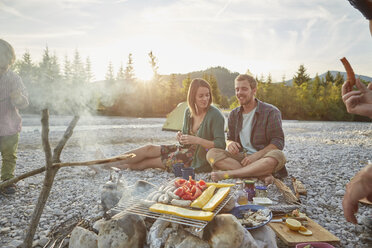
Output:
[[254, 140]]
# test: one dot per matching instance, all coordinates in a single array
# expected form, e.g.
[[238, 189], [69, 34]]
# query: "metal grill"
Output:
[[134, 206]]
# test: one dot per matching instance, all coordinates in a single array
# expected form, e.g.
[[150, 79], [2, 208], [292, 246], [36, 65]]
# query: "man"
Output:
[[254, 140], [12, 97], [358, 102]]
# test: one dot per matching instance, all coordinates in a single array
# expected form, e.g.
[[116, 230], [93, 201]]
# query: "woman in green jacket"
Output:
[[203, 129]]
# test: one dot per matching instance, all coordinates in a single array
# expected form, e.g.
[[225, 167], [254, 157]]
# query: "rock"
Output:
[[83, 238], [183, 239], [123, 230], [15, 243], [110, 196], [43, 241], [141, 187], [154, 237], [264, 236], [219, 233], [98, 224]]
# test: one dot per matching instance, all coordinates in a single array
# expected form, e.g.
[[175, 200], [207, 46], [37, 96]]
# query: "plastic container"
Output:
[[187, 172], [261, 191], [315, 245], [177, 169]]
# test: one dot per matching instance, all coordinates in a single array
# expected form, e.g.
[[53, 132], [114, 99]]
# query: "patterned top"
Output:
[[10, 120], [266, 126], [364, 6]]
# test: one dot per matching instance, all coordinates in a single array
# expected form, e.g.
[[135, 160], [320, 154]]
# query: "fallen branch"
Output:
[[287, 192], [85, 163], [298, 187]]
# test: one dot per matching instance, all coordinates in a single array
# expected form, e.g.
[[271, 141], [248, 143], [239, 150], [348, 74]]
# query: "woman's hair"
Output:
[[191, 96], [7, 55]]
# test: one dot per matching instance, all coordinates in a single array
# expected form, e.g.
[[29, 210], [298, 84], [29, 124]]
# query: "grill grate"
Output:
[[134, 206]]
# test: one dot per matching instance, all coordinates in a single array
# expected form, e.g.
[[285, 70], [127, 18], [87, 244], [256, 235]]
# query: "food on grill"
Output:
[[189, 190], [181, 203], [216, 199], [156, 196], [204, 197], [182, 212], [164, 198], [173, 195], [147, 203], [221, 185]]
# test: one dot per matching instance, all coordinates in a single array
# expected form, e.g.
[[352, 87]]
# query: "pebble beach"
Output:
[[323, 155]]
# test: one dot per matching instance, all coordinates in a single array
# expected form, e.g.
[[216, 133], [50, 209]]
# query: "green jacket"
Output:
[[212, 128]]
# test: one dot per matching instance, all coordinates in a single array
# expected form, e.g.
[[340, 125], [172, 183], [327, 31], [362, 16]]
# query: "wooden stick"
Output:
[[68, 133], [100, 161], [349, 71], [85, 163], [50, 174]]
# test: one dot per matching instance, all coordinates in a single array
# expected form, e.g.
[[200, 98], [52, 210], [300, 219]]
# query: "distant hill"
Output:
[[225, 78], [334, 73]]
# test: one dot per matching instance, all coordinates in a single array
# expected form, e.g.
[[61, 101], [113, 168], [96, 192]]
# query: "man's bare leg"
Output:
[[262, 168], [227, 164]]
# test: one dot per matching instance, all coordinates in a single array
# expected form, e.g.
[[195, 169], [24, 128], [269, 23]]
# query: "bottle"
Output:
[[242, 197], [250, 189], [261, 191]]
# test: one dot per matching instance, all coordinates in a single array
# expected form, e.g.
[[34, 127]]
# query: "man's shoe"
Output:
[[9, 190]]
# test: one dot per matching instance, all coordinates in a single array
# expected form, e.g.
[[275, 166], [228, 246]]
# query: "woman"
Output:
[[12, 97], [203, 129]]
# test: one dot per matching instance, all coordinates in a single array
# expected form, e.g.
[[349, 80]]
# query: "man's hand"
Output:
[[358, 188], [250, 159], [233, 147], [358, 101]]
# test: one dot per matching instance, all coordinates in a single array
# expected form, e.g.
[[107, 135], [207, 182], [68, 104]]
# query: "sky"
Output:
[[267, 36]]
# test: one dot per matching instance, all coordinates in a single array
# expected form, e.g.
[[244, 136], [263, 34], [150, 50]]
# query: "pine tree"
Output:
[[88, 70], [67, 71], [329, 77], [186, 85], [269, 79], [214, 86], [121, 74], [109, 77], [129, 70], [78, 71], [339, 80], [301, 77]]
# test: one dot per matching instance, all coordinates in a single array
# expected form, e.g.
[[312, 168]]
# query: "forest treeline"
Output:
[[68, 87]]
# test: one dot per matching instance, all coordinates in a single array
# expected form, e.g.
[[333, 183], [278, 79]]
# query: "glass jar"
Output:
[[242, 197], [250, 189], [261, 191]]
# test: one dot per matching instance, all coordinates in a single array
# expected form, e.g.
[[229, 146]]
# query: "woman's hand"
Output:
[[178, 136], [189, 139]]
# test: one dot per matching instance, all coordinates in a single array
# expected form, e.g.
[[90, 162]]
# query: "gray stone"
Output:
[[218, 233], [82, 238], [123, 230]]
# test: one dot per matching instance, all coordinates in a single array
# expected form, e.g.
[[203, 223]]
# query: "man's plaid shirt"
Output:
[[266, 126]]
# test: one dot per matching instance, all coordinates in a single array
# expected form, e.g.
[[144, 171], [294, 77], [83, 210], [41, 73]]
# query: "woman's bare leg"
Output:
[[144, 153]]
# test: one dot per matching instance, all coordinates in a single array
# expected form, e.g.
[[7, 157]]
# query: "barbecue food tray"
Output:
[[134, 206]]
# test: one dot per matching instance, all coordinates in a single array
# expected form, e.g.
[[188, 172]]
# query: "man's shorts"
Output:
[[216, 154]]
